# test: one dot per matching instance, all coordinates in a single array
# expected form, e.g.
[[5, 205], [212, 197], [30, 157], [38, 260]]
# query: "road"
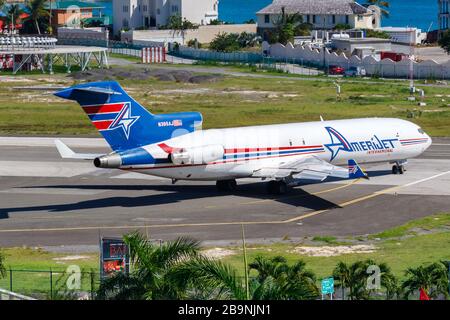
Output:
[[47, 201]]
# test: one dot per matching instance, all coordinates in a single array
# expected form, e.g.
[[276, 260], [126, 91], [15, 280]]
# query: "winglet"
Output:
[[355, 171], [64, 150]]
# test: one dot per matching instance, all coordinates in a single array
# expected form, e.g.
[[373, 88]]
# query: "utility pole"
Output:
[[247, 291]]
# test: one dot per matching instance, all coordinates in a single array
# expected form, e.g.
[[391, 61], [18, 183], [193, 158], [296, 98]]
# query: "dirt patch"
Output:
[[217, 253], [331, 251], [183, 76]]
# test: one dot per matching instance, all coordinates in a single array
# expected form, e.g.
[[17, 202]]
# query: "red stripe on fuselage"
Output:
[[102, 125], [115, 107], [247, 150]]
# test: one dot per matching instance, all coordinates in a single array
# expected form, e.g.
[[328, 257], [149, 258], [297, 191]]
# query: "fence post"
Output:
[[51, 284], [92, 285], [10, 280]]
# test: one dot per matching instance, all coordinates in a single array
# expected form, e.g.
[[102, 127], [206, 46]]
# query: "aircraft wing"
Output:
[[310, 168], [68, 153]]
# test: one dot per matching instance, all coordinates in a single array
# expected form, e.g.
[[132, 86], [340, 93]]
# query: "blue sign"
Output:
[[328, 286]]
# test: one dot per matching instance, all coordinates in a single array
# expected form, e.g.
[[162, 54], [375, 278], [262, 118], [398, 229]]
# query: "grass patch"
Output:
[[413, 227], [224, 104], [326, 239]]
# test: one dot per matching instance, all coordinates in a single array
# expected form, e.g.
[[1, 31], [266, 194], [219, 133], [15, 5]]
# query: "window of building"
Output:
[[139, 8], [308, 18], [266, 18], [125, 8], [360, 18], [333, 19], [158, 11], [174, 8], [125, 23], [144, 8], [346, 20], [314, 18]]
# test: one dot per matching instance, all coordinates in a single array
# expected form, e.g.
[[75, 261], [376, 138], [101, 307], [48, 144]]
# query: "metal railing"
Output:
[[8, 295]]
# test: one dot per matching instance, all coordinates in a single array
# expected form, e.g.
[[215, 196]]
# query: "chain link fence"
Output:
[[52, 284]]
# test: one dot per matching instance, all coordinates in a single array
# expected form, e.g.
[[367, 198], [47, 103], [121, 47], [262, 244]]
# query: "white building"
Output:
[[151, 14], [405, 35], [321, 14]]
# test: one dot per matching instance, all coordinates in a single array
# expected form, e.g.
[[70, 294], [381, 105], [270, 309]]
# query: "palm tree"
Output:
[[432, 278], [38, 11], [382, 4], [284, 281], [152, 267], [13, 14], [287, 25], [275, 280], [2, 265], [354, 277], [387, 279]]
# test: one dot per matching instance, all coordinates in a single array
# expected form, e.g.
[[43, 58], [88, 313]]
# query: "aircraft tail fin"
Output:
[[122, 121], [355, 171]]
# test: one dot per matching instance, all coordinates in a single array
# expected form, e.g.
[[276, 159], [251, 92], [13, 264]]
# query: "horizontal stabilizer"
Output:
[[355, 171], [68, 153]]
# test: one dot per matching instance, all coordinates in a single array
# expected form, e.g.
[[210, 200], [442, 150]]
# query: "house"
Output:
[[70, 13], [443, 16], [151, 14], [321, 14]]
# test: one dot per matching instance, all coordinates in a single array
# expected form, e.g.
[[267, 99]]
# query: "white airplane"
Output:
[[175, 147]]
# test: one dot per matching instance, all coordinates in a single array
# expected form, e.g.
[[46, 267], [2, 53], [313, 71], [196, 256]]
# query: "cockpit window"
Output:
[[421, 131]]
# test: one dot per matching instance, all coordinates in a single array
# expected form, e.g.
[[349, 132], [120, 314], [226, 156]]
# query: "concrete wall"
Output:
[[86, 33], [204, 34], [383, 68]]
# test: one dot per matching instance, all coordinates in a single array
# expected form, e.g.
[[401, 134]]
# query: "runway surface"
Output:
[[47, 201]]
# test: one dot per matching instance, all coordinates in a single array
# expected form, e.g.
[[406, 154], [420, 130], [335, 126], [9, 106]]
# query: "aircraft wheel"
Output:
[[401, 169], [395, 169], [226, 185], [277, 187]]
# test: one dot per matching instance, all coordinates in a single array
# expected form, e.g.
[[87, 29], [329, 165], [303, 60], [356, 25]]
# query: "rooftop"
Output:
[[65, 5], [338, 7]]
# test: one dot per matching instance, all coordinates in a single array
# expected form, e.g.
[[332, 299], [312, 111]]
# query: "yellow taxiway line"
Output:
[[212, 224]]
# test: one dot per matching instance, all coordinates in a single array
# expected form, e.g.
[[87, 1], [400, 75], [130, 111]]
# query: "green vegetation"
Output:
[[354, 278], [370, 33], [400, 259], [287, 26], [413, 227], [444, 41], [326, 239], [229, 42], [232, 102]]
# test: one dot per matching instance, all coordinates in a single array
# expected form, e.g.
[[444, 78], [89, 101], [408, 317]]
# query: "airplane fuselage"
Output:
[[247, 149]]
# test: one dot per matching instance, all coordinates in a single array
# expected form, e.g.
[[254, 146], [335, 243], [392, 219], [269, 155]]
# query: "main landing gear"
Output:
[[398, 168], [226, 185], [277, 187]]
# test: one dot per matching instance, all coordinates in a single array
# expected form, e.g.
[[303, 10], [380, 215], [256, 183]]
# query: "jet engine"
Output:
[[197, 155]]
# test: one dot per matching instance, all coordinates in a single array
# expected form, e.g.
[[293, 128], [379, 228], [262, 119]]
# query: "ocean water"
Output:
[[412, 13]]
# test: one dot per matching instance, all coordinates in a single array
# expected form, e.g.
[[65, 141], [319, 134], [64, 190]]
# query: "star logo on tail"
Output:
[[124, 120], [338, 143]]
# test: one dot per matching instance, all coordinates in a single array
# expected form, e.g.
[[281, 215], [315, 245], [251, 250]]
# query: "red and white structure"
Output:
[[153, 55]]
